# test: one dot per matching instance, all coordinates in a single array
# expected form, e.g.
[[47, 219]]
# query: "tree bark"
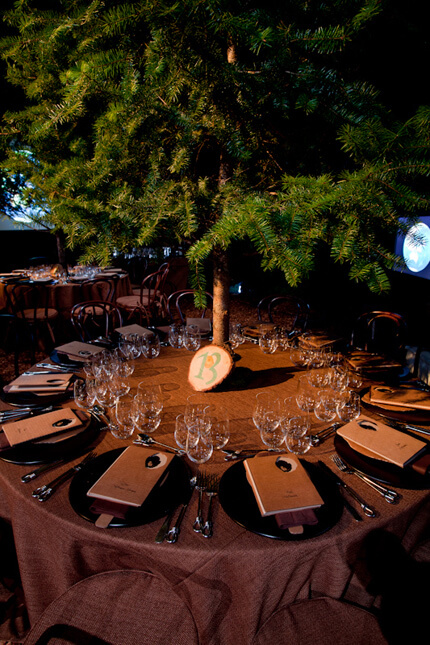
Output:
[[221, 287], [61, 250]]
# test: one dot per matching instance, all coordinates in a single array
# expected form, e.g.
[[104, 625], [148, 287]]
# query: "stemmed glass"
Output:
[[267, 418], [306, 394], [176, 335], [191, 339], [326, 404]]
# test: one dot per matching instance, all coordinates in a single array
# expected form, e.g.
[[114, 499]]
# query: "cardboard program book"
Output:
[[280, 483], [374, 439], [403, 397], [132, 476]]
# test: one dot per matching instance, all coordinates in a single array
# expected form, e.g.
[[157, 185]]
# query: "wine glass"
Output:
[[236, 336], [263, 403], [267, 341]]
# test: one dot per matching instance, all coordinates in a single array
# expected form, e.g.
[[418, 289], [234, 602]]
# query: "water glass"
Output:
[[151, 346], [192, 339], [219, 430], [198, 446], [348, 406], [297, 437], [176, 335], [326, 404], [271, 431], [306, 394], [236, 336], [268, 341], [264, 403], [84, 393], [125, 413]]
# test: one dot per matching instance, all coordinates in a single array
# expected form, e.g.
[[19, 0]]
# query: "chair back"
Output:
[[95, 319], [383, 332], [152, 287], [286, 310], [29, 302], [98, 289], [180, 302], [116, 608]]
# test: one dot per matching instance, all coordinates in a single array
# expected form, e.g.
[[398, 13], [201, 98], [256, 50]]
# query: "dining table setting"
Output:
[[242, 497]]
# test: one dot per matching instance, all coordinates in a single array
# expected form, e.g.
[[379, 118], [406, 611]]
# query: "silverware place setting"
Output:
[[390, 496], [45, 492]]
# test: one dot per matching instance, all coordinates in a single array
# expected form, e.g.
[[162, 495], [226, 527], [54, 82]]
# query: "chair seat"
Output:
[[41, 314], [132, 302]]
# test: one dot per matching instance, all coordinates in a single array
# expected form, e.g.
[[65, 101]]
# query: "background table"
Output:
[[233, 582]]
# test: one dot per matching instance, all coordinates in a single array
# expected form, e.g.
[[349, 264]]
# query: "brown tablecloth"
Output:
[[233, 582], [63, 296]]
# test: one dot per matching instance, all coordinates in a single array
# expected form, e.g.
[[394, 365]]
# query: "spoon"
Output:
[[149, 441]]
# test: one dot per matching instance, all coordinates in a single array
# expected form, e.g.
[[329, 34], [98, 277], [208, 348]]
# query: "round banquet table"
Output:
[[233, 582]]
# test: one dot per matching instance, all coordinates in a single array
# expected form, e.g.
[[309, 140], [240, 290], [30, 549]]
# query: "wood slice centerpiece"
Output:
[[210, 366]]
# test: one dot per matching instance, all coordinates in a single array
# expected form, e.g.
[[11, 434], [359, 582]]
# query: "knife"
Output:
[[368, 510]]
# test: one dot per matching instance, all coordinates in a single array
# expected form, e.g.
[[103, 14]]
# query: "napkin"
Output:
[[406, 398], [203, 324], [133, 329], [368, 361], [79, 351], [376, 440], [280, 483], [43, 425], [41, 383], [132, 476]]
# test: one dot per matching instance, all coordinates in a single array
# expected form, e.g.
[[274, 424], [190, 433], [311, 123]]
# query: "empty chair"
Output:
[[95, 319], [98, 289], [126, 607], [150, 302], [181, 304], [29, 303], [288, 311], [383, 332]]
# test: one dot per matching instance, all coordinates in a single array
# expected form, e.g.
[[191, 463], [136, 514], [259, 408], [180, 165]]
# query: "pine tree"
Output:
[[210, 122]]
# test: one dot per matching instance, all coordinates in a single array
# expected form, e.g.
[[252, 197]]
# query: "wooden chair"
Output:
[[150, 303], [288, 311], [29, 303], [98, 289], [95, 319], [178, 300], [382, 332]]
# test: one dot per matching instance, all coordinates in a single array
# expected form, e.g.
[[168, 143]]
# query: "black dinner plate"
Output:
[[382, 471], [40, 452], [64, 361], [420, 417], [163, 498], [32, 399], [238, 501]]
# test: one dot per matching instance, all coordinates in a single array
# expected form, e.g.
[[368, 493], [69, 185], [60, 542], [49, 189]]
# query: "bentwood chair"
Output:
[[383, 332], [182, 304], [29, 303], [95, 319], [150, 303], [288, 311], [98, 289], [125, 607]]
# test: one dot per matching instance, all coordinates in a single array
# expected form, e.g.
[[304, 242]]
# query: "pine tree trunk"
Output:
[[221, 286]]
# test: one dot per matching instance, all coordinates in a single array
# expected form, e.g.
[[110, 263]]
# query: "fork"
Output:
[[390, 496], [201, 483], [44, 492]]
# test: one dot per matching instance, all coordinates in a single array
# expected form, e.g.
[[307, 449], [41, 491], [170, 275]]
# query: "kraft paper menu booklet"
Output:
[[40, 383], [132, 476], [406, 398], [43, 425], [134, 329], [280, 483], [79, 351], [379, 441]]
